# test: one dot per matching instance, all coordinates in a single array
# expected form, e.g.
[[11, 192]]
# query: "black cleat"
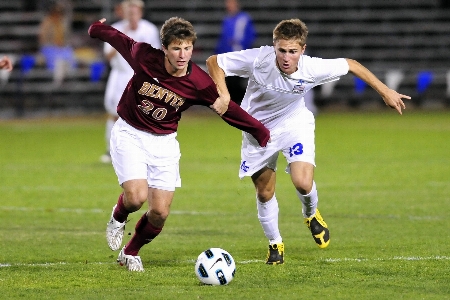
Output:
[[275, 256], [319, 229]]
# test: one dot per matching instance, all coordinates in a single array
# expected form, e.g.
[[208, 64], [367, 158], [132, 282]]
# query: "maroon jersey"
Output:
[[154, 100]]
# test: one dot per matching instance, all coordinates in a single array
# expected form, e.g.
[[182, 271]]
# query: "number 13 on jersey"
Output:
[[297, 149]]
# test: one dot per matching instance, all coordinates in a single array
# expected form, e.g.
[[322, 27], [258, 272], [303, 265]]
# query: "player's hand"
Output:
[[220, 106], [395, 100], [102, 20], [6, 64]]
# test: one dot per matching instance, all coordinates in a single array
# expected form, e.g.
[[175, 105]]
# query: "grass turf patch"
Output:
[[383, 189]]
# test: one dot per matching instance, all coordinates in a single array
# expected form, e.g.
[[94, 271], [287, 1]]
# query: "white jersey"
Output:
[[121, 72], [273, 96]]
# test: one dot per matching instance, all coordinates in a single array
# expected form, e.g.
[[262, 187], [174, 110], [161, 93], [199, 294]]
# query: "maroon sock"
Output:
[[120, 213], [144, 234]]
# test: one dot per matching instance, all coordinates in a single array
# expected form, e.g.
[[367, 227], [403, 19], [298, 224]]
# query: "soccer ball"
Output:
[[215, 266]]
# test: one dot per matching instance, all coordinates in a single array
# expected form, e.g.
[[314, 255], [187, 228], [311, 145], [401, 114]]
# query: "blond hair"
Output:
[[292, 29]]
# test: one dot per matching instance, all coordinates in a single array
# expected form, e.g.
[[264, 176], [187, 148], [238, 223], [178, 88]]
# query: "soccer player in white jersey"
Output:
[[279, 77], [140, 30]]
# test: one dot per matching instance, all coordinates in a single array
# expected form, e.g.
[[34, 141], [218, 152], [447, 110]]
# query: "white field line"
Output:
[[402, 258], [51, 209], [252, 261], [2, 265]]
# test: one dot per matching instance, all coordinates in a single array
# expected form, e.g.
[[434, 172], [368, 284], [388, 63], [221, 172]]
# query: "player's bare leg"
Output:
[[134, 195], [147, 228]]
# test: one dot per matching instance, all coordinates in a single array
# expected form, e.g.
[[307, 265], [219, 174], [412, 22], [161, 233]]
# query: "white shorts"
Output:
[[138, 154], [294, 137]]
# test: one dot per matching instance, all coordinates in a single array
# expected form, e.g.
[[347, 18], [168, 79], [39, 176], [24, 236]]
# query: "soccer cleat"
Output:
[[319, 229], [275, 256], [133, 263], [114, 232]]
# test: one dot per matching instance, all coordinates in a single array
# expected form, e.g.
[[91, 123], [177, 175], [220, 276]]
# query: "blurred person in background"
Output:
[[6, 63], [139, 30], [55, 31], [237, 33], [119, 11], [279, 77]]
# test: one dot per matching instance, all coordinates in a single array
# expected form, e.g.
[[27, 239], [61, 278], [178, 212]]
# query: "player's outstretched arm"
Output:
[[220, 106], [6, 63], [126, 46], [390, 97]]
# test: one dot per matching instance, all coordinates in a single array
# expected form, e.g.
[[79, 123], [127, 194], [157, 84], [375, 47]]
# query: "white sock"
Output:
[[109, 126], [268, 217], [309, 201]]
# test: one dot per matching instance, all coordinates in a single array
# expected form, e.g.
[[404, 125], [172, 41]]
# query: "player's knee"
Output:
[[304, 186], [265, 194], [134, 199], [158, 217]]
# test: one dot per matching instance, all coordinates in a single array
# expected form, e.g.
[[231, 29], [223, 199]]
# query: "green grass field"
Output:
[[384, 189]]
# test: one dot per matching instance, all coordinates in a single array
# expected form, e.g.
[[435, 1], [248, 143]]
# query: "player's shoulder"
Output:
[[309, 60], [149, 55], [313, 62], [265, 50], [199, 77], [151, 52], [311, 65], [265, 57]]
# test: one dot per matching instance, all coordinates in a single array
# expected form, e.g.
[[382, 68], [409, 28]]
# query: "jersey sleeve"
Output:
[[327, 70], [126, 46], [107, 47], [239, 118], [236, 116], [238, 63]]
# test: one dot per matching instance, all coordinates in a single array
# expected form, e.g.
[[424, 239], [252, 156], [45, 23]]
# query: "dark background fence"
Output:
[[406, 43]]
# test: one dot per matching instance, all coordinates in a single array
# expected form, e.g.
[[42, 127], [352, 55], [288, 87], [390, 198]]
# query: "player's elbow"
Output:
[[353, 65], [211, 62], [211, 59]]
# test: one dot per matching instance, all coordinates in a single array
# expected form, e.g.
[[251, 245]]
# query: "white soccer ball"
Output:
[[215, 266]]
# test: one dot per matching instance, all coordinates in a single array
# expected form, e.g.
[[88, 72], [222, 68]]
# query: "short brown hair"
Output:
[[177, 28], [292, 29]]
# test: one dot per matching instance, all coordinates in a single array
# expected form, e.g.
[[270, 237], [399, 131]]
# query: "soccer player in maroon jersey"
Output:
[[144, 151]]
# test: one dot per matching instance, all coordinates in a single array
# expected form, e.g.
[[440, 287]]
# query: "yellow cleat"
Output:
[[275, 256], [319, 229]]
